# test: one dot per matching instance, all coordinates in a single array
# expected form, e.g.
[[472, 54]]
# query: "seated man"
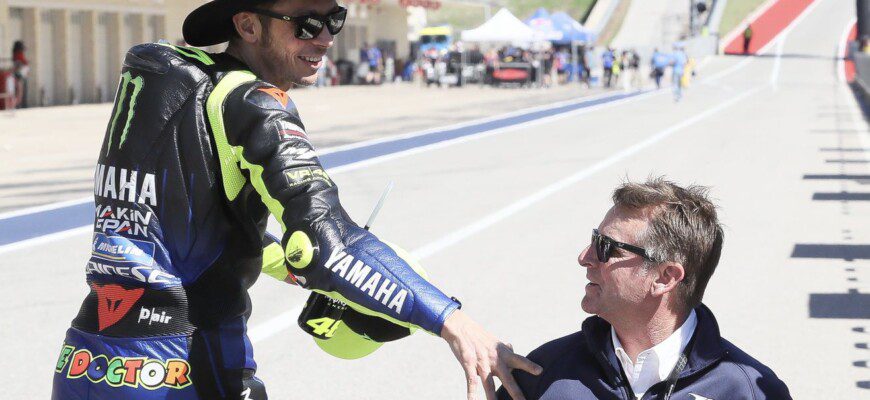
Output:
[[648, 265]]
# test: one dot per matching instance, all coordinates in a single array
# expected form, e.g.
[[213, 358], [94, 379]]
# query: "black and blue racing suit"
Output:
[[198, 152]]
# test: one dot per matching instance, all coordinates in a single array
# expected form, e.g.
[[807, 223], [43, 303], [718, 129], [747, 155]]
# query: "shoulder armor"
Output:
[[182, 63], [268, 97]]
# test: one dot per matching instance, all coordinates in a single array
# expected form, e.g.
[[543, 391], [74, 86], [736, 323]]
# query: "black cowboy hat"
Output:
[[212, 23]]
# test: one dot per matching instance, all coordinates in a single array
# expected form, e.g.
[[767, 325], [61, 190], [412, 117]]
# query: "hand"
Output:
[[483, 355]]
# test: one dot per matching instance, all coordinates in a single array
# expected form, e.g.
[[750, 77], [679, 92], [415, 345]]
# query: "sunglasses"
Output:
[[604, 247], [309, 26]]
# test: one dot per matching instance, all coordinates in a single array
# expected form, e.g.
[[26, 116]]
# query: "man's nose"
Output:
[[324, 39], [585, 258]]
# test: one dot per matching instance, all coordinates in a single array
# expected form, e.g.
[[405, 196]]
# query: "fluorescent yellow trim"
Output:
[[232, 176]]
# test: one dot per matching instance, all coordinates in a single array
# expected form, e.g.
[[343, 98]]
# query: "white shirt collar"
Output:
[[655, 364]]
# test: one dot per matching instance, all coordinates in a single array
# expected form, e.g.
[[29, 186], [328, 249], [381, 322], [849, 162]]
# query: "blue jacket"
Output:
[[583, 365]]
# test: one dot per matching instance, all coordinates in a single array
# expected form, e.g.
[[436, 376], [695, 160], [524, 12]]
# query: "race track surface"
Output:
[[499, 219]]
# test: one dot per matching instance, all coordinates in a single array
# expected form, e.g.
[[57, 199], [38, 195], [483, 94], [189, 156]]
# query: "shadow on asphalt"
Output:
[[846, 252], [851, 305], [841, 196], [845, 149]]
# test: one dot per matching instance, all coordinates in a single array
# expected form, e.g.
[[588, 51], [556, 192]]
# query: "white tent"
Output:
[[502, 27]]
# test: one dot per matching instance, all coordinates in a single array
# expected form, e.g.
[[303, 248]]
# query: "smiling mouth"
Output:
[[312, 59]]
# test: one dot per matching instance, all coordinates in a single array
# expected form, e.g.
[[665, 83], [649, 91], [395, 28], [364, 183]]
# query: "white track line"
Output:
[[781, 39], [286, 319], [274, 325], [842, 51]]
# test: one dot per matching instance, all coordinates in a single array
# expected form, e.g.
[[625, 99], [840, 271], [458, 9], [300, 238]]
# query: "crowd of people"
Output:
[[557, 65]]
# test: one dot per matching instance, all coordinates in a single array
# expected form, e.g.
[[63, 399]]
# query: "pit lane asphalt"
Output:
[[774, 138]]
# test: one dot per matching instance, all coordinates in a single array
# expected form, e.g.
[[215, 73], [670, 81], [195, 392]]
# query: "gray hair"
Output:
[[683, 228]]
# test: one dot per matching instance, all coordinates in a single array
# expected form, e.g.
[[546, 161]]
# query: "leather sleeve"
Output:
[[325, 251]]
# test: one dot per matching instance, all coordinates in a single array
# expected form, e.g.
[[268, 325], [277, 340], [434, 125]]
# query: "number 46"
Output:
[[323, 326]]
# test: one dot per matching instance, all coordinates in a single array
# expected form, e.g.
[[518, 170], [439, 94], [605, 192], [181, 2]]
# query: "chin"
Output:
[[588, 306], [306, 80]]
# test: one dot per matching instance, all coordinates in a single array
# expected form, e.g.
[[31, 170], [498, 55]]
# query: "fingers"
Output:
[[519, 362], [489, 386], [470, 381], [508, 382]]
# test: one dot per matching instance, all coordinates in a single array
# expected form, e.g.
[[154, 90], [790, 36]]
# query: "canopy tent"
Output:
[[570, 29], [541, 23], [502, 27]]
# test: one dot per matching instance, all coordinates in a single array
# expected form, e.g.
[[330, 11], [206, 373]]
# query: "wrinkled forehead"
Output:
[[304, 7], [625, 224]]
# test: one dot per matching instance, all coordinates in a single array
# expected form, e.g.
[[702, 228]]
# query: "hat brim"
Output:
[[211, 23]]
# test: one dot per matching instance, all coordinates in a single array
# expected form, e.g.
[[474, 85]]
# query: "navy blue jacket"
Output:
[[583, 365]]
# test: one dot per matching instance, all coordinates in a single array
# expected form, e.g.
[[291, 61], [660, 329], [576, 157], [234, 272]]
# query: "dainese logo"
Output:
[[134, 372]]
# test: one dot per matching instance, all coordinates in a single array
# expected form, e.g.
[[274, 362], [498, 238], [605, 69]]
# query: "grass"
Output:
[[736, 11], [577, 9], [615, 24]]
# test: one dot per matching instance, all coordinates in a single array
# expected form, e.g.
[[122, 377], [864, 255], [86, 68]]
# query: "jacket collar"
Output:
[[704, 349]]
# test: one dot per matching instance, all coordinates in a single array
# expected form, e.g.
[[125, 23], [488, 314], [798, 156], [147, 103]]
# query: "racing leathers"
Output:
[[198, 152]]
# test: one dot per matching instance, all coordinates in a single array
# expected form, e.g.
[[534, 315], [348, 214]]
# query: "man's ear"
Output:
[[670, 274], [248, 26]]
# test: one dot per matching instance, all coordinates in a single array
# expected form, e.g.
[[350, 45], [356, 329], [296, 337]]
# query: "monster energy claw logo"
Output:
[[138, 84]]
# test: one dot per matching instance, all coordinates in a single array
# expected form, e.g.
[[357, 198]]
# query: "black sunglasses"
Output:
[[309, 26], [604, 247]]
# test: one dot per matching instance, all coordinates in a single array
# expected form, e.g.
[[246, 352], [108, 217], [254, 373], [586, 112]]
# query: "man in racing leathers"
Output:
[[200, 148]]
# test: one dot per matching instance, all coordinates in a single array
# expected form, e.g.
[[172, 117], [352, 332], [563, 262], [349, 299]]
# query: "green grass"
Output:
[[615, 24], [577, 9], [736, 11]]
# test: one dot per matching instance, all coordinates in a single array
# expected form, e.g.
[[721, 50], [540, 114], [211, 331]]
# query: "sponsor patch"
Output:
[[151, 315], [114, 302], [122, 250], [370, 282], [125, 185], [124, 220], [151, 276], [134, 372], [305, 175], [279, 95]]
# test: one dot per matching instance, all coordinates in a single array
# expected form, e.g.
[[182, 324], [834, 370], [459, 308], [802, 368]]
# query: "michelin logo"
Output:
[[373, 284], [122, 250]]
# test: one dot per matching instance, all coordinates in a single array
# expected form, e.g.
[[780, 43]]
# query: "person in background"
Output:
[[376, 65], [659, 62], [607, 60], [634, 65], [679, 60], [325, 72], [363, 70], [20, 68], [747, 38]]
